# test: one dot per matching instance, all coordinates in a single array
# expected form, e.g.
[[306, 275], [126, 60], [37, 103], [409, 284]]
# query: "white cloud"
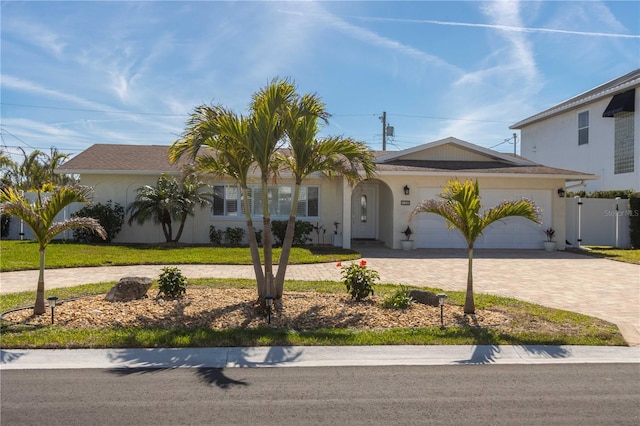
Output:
[[36, 34]]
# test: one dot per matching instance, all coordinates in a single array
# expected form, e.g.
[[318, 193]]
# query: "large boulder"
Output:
[[129, 288], [424, 297]]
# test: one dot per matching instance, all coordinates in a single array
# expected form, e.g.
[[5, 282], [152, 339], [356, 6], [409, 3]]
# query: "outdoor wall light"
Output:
[[561, 192], [406, 190], [52, 304], [441, 298]]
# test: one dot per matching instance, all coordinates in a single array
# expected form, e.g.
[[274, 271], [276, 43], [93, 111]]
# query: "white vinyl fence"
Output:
[[19, 230], [598, 221]]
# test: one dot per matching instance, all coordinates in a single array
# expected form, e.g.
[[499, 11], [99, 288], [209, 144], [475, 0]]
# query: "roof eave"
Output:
[[576, 102], [565, 176], [115, 172]]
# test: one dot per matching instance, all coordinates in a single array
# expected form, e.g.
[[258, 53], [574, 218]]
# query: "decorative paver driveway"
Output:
[[598, 287]]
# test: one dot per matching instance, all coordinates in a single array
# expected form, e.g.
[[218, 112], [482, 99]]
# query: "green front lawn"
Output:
[[622, 255], [23, 255]]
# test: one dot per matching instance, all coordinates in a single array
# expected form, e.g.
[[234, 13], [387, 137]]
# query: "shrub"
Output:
[[215, 236], [358, 279], [234, 236], [5, 220], [110, 216], [301, 232], [622, 193], [634, 220], [400, 299], [172, 283]]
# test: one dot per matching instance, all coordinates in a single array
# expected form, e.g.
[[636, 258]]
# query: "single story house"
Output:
[[375, 209]]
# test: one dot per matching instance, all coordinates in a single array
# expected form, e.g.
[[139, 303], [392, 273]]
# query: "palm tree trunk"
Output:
[[267, 240], [183, 219], [166, 225], [253, 242], [469, 304], [39, 307], [287, 243]]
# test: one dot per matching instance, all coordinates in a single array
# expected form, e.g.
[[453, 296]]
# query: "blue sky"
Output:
[[78, 73]]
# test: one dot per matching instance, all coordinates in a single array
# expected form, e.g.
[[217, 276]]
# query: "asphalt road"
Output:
[[575, 394]]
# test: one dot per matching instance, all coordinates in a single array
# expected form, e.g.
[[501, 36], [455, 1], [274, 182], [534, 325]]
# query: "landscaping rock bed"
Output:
[[233, 308]]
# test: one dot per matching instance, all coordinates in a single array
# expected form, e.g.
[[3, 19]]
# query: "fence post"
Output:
[[617, 221], [579, 221]]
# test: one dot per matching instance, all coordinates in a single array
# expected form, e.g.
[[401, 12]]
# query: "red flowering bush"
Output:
[[358, 279]]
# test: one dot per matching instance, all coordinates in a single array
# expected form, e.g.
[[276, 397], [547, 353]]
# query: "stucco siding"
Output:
[[554, 142]]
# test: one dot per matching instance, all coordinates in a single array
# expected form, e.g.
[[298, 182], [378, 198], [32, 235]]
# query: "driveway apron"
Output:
[[602, 288]]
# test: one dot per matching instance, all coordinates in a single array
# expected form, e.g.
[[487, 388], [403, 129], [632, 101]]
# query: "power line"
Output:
[[93, 110], [183, 115], [449, 118]]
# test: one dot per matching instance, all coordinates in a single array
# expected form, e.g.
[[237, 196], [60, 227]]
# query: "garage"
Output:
[[513, 232]]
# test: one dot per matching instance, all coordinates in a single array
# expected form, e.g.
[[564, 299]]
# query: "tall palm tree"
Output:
[[233, 145], [332, 156], [168, 200], [215, 143], [461, 208], [40, 216], [266, 130]]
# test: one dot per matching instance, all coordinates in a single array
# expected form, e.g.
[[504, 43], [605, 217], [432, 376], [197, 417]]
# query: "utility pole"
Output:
[[514, 144], [384, 130]]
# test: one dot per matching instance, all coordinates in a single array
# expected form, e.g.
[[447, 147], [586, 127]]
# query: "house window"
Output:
[[363, 208], [583, 128], [623, 143], [228, 201]]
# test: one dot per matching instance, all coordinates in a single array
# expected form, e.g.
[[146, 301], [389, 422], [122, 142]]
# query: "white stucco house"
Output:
[[597, 131], [375, 209]]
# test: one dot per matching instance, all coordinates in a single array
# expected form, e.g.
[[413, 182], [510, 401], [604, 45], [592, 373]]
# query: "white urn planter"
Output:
[[406, 244], [549, 245], [337, 240]]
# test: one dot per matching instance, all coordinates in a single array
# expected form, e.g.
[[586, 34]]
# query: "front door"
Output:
[[364, 209]]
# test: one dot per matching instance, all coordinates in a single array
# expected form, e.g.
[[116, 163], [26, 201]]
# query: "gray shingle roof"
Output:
[[121, 158], [153, 159]]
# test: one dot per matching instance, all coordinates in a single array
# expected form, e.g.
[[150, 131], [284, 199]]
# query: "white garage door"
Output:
[[512, 232]]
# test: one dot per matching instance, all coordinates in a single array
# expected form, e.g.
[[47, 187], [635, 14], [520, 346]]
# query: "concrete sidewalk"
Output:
[[601, 288], [311, 356]]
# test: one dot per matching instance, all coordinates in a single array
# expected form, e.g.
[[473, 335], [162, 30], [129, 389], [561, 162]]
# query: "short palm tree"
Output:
[[40, 216], [461, 208], [169, 199]]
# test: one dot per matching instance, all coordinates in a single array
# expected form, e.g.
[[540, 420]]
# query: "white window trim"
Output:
[[258, 215]]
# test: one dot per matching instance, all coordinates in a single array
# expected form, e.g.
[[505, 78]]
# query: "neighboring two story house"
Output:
[[596, 132]]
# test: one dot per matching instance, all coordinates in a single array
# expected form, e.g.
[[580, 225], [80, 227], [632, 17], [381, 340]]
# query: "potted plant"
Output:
[[337, 238], [549, 244], [407, 243]]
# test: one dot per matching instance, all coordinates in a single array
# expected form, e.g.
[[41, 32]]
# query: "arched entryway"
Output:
[[372, 212]]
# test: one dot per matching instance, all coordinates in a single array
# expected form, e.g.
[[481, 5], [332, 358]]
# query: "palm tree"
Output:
[[40, 216], [237, 143], [215, 142], [190, 195], [167, 200], [332, 156], [266, 130], [460, 207]]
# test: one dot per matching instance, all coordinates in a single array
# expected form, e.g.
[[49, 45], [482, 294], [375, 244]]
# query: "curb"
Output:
[[311, 356]]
